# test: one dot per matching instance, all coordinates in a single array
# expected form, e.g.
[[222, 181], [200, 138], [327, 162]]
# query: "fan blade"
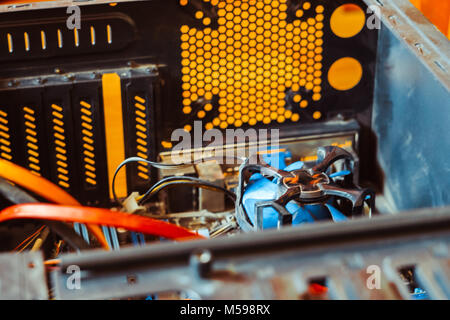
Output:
[[276, 159], [262, 192], [259, 189], [252, 176], [336, 214], [340, 174], [294, 166], [301, 215]]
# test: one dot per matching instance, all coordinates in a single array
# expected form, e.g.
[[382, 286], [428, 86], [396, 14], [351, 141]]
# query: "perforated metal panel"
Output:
[[270, 63], [258, 62]]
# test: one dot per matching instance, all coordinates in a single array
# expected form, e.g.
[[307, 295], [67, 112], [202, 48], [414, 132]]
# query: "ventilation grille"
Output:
[[5, 137], [254, 63], [142, 141], [31, 40], [141, 135], [88, 143], [31, 137], [271, 63], [59, 132], [59, 140]]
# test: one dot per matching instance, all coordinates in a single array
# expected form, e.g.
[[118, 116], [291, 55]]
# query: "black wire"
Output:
[[138, 159], [191, 183], [14, 194], [174, 180], [157, 165], [194, 179], [168, 179]]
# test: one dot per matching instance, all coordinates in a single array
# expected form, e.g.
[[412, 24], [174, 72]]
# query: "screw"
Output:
[[131, 279]]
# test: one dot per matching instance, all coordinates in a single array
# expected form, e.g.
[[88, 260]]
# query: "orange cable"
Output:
[[91, 215], [45, 189]]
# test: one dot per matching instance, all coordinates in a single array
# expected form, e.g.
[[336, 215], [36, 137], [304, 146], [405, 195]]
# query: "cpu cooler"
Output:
[[271, 195]]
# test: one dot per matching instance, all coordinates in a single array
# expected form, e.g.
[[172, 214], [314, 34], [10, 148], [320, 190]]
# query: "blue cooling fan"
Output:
[[271, 194]]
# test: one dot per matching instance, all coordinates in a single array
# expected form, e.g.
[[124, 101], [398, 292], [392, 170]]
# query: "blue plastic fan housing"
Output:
[[260, 189]]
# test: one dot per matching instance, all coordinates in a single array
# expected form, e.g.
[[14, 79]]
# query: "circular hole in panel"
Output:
[[347, 20], [345, 73]]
